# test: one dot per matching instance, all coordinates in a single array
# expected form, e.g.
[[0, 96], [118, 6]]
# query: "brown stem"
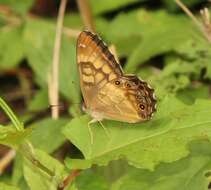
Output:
[[6, 160], [69, 179], [85, 11], [54, 76]]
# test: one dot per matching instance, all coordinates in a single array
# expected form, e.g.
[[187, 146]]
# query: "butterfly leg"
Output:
[[104, 128], [90, 130]]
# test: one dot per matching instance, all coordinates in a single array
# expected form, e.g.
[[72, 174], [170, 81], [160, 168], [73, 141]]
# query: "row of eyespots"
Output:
[[141, 106], [117, 83]]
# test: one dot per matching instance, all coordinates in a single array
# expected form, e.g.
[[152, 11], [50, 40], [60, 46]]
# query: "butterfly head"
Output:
[[139, 93]]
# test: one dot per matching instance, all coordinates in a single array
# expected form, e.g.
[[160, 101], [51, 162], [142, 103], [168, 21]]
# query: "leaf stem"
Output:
[[17, 124]]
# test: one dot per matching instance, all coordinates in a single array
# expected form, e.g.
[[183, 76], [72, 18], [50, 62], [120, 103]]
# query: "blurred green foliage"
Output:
[[155, 41]]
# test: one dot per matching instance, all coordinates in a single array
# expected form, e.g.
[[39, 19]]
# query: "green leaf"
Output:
[[39, 44], [38, 179], [192, 173], [174, 77], [197, 53], [144, 145], [155, 30], [7, 187], [17, 172], [85, 181], [144, 32], [11, 46], [109, 5], [48, 130], [190, 94], [77, 163], [39, 101]]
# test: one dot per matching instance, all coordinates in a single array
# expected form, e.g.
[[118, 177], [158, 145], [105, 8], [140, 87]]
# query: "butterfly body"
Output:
[[109, 93]]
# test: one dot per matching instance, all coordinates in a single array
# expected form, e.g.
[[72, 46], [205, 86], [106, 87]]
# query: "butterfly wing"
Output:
[[96, 65], [104, 86], [114, 104]]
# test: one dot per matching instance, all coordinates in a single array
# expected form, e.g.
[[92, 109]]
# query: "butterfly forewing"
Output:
[[90, 48], [96, 65]]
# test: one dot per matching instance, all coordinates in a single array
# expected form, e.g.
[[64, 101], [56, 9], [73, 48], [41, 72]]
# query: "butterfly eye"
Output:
[[141, 106], [117, 82]]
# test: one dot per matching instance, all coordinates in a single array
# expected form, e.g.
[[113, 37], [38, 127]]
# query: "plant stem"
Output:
[[54, 76], [69, 179], [86, 15]]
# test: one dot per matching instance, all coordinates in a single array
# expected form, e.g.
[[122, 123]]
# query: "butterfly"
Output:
[[108, 93]]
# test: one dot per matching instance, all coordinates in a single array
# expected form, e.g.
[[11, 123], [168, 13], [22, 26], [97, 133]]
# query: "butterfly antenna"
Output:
[[104, 128]]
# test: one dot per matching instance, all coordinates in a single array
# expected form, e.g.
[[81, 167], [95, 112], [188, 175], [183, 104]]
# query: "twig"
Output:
[[85, 11], [206, 22], [69, 179], [205, 25], [189, 13], [54, 76], [5, 161]]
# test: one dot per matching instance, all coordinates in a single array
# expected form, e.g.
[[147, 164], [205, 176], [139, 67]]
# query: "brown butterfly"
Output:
[[109, 93]]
